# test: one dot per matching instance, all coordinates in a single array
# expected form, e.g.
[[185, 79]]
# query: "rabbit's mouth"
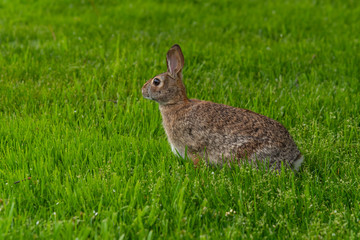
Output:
[[147, 97]]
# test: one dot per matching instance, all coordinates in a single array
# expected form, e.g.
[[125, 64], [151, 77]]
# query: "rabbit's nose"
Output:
[[145, 92]]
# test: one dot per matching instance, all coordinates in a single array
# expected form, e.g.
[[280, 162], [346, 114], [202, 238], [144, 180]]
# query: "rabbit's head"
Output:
[[168, 88]]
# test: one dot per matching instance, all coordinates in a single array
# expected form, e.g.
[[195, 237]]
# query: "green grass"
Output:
[[104, 170]]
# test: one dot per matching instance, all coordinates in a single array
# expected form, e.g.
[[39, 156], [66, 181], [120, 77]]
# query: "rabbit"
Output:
[[215, 132]]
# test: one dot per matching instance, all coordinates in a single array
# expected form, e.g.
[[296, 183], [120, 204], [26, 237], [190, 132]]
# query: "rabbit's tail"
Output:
[[298, 162]]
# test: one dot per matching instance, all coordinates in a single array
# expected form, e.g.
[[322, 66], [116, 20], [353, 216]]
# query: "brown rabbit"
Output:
[[215, 132]]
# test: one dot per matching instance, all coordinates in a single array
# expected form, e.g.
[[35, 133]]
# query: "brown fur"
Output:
[[212, 131]]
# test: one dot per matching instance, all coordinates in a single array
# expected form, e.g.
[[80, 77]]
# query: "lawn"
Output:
[[72, 118]]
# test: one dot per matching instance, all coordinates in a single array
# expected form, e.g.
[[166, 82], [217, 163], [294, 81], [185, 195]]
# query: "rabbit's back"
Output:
[[219, 132]]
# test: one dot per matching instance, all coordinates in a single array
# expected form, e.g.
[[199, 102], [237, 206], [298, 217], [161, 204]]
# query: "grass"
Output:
[[104, 170]]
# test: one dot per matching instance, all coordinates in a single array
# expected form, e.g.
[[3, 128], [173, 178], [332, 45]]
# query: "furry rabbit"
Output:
[[215, 132]]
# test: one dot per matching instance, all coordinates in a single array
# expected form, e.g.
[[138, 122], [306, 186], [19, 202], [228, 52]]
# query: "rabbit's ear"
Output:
[[175, 60]]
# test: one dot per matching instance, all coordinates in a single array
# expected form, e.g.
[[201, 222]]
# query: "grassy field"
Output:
[[73, 119]]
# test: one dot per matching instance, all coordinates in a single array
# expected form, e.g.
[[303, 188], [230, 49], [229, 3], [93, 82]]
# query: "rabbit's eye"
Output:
[[156, 81]]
